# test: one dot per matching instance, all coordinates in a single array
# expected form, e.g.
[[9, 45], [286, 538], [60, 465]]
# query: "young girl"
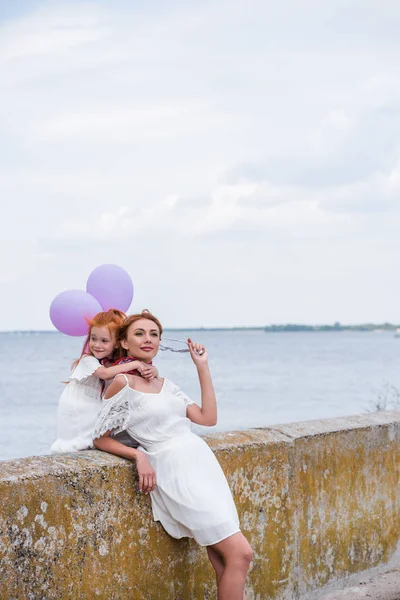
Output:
[[80, 402]]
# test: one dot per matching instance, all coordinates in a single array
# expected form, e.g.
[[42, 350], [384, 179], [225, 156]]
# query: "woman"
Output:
[[189, 492]]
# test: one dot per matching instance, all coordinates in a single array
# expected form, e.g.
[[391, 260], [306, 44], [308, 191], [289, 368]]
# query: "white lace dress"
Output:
[[192, 497], [78, 408]]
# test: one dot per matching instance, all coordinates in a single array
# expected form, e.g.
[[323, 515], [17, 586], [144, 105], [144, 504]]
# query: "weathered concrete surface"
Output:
[[382, 587], [346, 483], [318, 501]]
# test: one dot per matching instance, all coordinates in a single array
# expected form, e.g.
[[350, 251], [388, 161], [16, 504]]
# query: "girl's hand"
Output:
[[129, 366], [198, 353], [148, 372], [147, 476]]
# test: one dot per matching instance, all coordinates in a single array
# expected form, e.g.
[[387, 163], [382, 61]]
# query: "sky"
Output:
[[241, 159]]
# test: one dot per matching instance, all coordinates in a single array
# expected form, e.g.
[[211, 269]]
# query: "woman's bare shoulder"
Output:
[[117, 384], [134, 380]]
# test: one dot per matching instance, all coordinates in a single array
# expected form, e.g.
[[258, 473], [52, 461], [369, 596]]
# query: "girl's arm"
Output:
[[149, 371], [107, 373], [207, 414], [146, 371]]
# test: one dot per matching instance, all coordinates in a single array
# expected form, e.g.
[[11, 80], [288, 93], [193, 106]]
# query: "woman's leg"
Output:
[[218, 564], [236, 555], [216, 561]]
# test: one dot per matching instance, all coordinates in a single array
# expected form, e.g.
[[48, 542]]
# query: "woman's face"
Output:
[[142, 340]]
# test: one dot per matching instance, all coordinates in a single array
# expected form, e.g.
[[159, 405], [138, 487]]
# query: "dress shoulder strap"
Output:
[[124, 376]]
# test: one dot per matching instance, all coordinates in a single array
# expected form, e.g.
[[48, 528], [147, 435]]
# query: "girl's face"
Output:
[[101, 342], [142, 340]]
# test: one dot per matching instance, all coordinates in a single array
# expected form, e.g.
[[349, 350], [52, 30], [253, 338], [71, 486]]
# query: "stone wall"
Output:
[[318, 501]]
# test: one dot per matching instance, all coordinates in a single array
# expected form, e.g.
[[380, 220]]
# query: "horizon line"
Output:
[[233, 327]]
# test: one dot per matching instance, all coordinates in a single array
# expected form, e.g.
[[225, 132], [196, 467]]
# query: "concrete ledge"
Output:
[[382, 587], [319, 502]]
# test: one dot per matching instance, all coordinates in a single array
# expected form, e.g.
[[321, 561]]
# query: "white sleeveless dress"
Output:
[[78, 408], [192, 497]]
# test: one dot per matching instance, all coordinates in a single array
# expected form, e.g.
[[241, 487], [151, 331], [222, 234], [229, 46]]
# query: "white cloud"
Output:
[[51, 31], [123, 125], [207, 144], [331, 133]]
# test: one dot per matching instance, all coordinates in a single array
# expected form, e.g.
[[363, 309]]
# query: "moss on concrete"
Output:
[[318, 501]]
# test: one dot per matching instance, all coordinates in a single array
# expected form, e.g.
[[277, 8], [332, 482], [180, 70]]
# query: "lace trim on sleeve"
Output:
[[114, 416], [176, 390]]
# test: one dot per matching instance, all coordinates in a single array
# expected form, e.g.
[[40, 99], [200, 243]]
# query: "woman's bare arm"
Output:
[[108, 444], [147, 476], [207, 414]]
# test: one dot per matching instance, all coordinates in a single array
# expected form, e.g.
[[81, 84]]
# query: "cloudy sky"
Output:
[[240, 159]]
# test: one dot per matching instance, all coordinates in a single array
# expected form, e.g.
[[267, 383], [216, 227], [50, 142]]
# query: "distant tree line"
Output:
[[335, 327]]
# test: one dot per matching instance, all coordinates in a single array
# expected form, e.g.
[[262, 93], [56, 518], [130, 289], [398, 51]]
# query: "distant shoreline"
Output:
[[335, 327], [285, 328]]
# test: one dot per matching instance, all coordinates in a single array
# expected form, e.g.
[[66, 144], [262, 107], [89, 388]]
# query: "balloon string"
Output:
[[173, 340], [174, 349], [162, 347]]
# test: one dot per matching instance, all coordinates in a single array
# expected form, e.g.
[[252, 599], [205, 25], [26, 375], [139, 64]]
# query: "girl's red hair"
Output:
[[112, 319]]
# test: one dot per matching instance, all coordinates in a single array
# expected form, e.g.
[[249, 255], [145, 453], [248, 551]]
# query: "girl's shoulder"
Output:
[[86, 366], [89, 359]]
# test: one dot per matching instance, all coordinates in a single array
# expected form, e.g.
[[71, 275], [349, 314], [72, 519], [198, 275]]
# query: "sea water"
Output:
[[261, 378]]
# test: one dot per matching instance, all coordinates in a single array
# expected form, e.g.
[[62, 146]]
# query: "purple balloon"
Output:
[[112, 286], [69, 311]]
